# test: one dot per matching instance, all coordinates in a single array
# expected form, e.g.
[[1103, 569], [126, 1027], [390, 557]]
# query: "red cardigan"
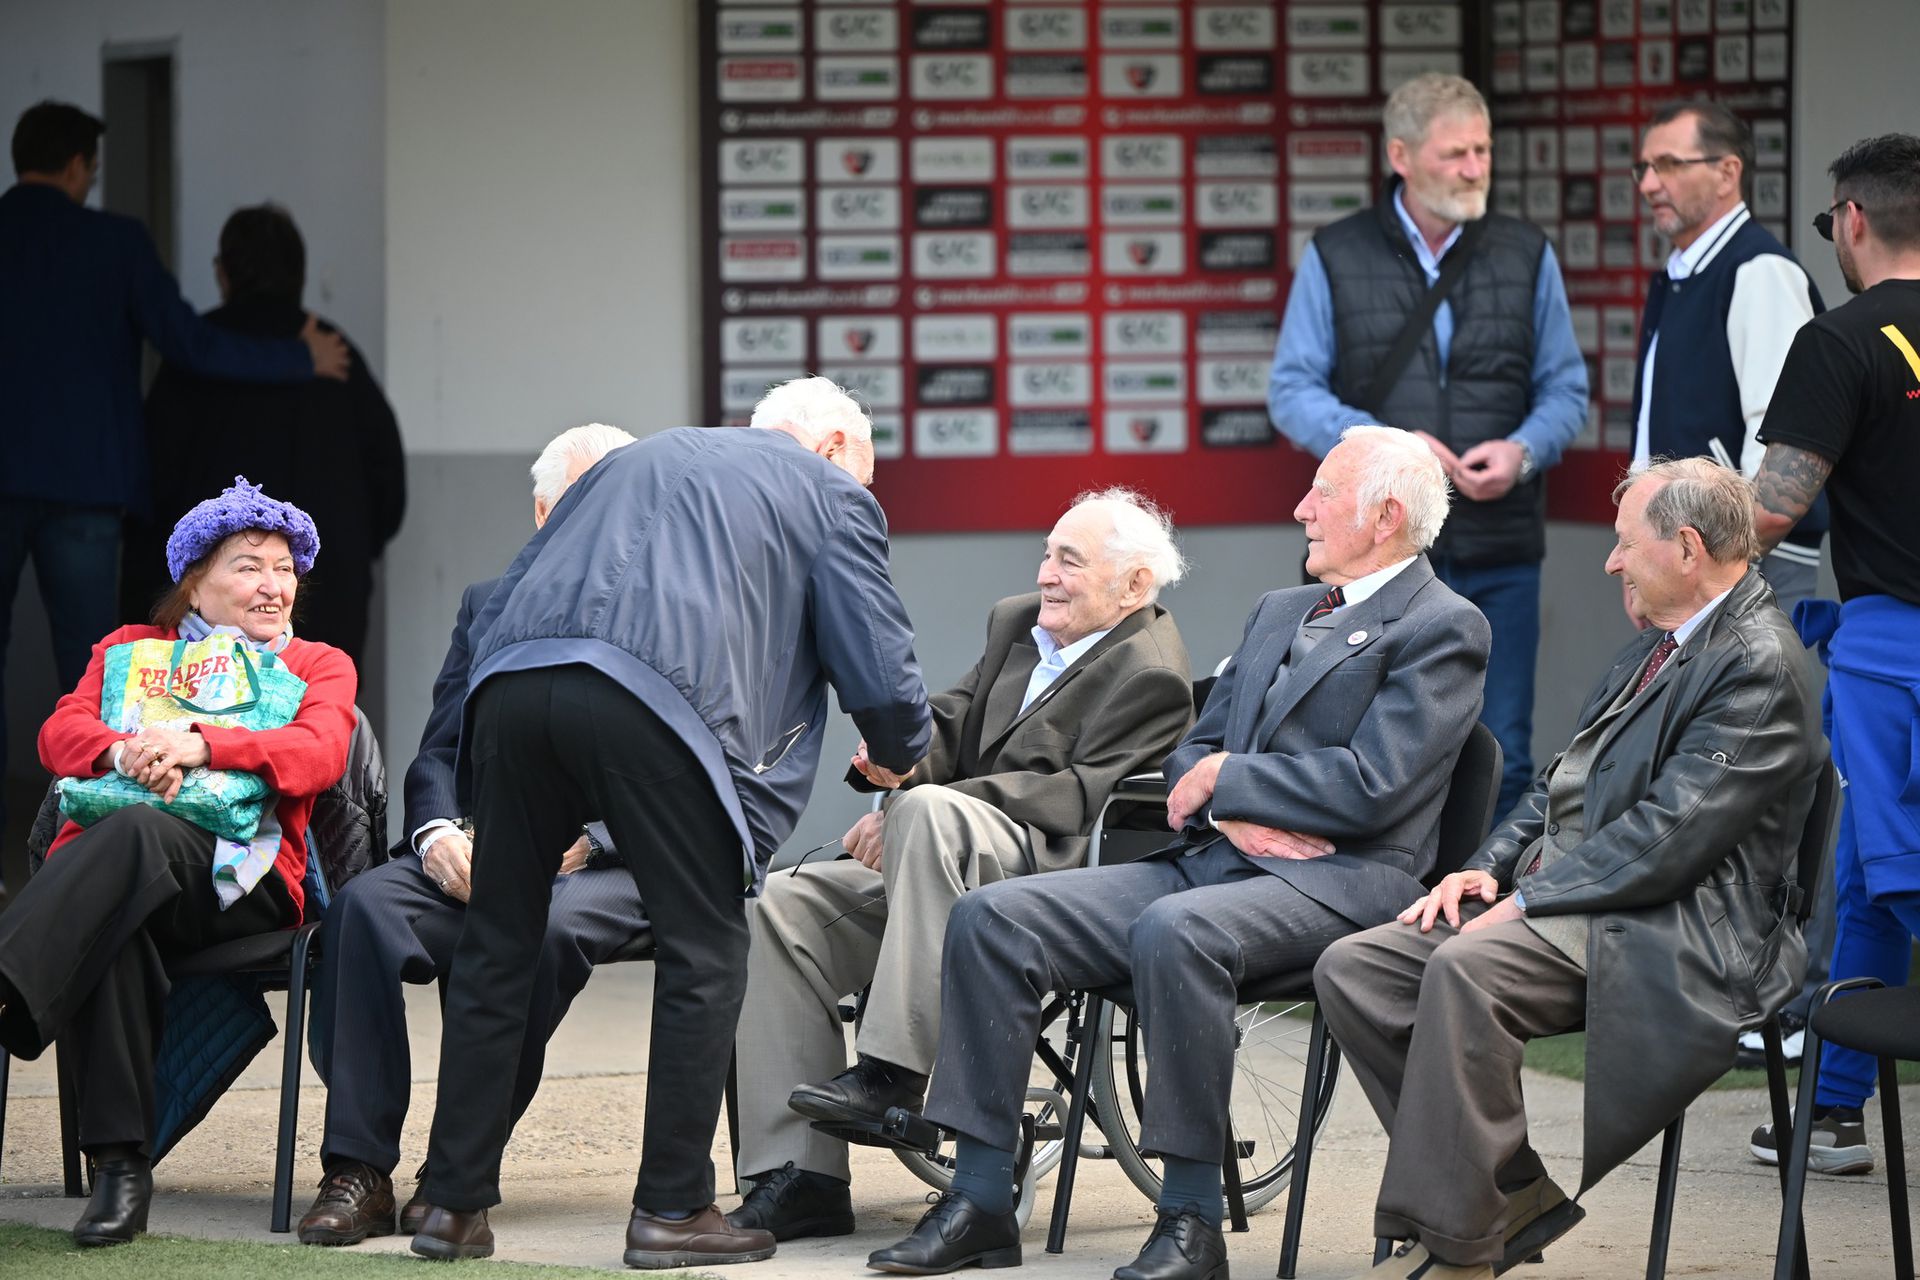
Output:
[[298, 761]]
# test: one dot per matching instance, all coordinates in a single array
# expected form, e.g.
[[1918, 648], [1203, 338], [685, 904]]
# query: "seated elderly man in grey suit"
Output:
[[1642, 891], [1308, 799], [1080, 685]]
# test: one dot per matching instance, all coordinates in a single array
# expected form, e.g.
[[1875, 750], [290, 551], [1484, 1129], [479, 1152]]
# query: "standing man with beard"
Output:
[[1428, 313]]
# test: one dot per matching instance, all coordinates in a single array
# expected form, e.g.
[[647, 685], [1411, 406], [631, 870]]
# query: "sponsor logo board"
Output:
[[1141, 155], [1143, 253], [875, 386], [1140, 75], [954, 384], [952, 207], [762, 209], [953, 256], [1236, 204], [871, 30], [1143, 204], [762, 160], [1051, 333], [1236, 429], [762, 257], [1231, 381], [760, 79], [859, 338], [1054, 383], [1043, 431], [858, 257], [856, 160], [758, 30], [1047, 158], [1144, 431], [949, 77], [1240, 26], [1237, 332], [1048, 253], [1053, 27], [1144, 381], [763, 339], [1035, 205], [857, 208], [955, 337], [741, 389], [1140, 28], [866, 78], [957, 433], [952, 159], [1143, 333]]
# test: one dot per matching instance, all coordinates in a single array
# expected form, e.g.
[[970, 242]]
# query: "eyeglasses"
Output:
[[1823, 222], [1667, 166]]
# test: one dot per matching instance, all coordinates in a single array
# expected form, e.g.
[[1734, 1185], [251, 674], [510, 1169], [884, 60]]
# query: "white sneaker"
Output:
[[1839, 1146]]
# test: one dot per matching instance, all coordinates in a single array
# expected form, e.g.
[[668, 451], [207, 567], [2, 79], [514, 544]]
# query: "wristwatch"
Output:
[[1527, 464]]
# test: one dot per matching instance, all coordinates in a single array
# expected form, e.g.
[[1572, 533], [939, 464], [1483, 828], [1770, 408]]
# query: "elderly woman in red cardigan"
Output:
[[84, 948]]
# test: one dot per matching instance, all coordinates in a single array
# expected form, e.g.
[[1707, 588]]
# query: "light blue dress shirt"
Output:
[[1300, 396], [1054, 661]]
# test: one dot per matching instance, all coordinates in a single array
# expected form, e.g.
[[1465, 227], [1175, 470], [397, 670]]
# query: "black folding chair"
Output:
[[1464, 819]]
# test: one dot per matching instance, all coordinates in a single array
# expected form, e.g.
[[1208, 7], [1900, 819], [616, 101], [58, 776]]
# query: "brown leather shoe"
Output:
[[414, 1212], [355, 1201], [705, 1239], [453, 1233]]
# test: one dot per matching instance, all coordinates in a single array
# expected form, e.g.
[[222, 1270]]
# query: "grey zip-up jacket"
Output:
[[725, 577]]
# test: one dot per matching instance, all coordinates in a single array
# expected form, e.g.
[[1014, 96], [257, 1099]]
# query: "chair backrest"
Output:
[[1468, 812], [1816, 838], [348, 830]]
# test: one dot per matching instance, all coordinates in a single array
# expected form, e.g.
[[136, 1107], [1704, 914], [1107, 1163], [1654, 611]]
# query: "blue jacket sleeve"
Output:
[[157, 310], [865, 641], [430, 787], [1559, 371], [1300, 397]]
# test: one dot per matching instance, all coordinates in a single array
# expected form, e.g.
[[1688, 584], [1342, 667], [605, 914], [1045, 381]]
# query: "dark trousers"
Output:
[[553, 748], [1434, 1026], [1187, 932], [76, 560], [84, 949], [393, 925], [1509, 596]]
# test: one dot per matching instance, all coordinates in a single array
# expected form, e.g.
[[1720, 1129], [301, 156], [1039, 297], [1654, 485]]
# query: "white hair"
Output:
[[810, 410], [1142, 536], [586, 444], [1398, 464]]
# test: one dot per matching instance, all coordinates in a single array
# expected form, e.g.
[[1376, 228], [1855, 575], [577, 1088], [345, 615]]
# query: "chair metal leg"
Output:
[[1896, 1170], [1076, 1128], [1382, 1249], [70, 1163], [6, 1060], [1230, 1178], [733, 1117], [1782, 1126], [1792, 1229], [1322, 1054], [1664, 1197], [296, 1038]]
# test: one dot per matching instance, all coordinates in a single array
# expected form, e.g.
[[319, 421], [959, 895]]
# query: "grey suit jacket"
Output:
[[1358, 749], [1118, 710]]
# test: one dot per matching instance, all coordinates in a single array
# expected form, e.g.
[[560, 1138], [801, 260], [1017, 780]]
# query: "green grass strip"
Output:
[[1566, 1056], [52, 1255]]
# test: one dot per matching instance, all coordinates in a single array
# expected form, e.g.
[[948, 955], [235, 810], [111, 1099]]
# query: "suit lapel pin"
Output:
[[1358, 637]]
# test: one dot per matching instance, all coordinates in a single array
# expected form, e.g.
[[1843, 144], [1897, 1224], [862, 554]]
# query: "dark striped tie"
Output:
[[1334, 598]]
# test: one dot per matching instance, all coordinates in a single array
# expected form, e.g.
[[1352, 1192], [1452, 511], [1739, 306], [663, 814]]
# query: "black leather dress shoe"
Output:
[[1183, 1246], [954, 1233], [453, 1233], [122, 1190], [861, 1094], [795, 1203]]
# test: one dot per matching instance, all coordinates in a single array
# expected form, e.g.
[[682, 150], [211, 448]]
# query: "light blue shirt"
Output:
[[1300, 396], [1054, 661]]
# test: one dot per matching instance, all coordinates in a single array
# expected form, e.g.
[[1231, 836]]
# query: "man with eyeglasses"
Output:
[[1846, 421], [1719, 319]]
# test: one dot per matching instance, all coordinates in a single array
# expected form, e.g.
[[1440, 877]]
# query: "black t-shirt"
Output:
[[1850, 392]]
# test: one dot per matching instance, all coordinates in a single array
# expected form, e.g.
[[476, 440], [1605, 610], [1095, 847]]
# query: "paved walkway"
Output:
[[568, 1175]]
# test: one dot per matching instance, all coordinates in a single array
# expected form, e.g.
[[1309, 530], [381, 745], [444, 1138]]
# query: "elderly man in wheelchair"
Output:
[[1307, 800], [1079, 686]]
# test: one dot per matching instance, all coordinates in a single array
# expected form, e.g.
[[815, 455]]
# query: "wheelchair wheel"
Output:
[[1269, 1065], [1047, 1089]]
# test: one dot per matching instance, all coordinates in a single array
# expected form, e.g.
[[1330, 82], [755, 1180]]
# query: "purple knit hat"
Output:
[[244, 506]]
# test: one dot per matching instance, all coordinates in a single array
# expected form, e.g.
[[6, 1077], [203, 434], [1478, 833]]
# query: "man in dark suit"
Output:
[[1308, 797], [658, 657], [331, 448], [79, 289], [1080, 685], [398, 923], [1642, 889]]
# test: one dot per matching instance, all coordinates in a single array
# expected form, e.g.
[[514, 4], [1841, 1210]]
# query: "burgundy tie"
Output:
[[1334, 598], [1657, 660]]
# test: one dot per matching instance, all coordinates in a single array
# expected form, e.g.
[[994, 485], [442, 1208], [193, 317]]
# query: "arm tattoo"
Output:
[[1785, 486]]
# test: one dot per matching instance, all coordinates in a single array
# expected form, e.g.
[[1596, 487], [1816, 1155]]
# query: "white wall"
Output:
[[1853, 78], [541, 193]]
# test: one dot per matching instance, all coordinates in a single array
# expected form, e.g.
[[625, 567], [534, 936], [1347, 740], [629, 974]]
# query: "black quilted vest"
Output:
[[1377, 282]]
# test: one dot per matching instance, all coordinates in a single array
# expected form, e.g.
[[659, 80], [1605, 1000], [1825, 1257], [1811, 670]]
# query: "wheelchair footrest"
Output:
[[899, 1129]]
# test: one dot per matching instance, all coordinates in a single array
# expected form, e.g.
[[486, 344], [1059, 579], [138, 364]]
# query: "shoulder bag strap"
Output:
[[1387, 375]]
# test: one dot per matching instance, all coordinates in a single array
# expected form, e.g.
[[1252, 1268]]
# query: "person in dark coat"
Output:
[[1642, 889], [79, 290], [398, 923], [332, 447], [658, 657]]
